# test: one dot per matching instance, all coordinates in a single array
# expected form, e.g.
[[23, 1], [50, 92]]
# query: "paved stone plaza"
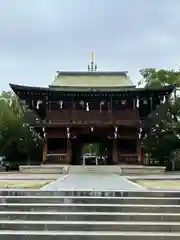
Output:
[[92, 182]]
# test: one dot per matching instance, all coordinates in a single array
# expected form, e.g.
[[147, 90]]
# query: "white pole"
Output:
[[84, 160], [96, 160]]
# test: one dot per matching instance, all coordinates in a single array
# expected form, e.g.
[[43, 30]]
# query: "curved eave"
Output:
[[16, 88], [28, 90]]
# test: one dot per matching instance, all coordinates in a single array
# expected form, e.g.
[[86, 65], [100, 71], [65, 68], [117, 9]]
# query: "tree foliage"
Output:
[[17, 141], [164, 134], [153, 78]]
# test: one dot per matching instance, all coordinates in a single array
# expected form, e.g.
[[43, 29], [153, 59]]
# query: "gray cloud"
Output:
[[39, 37]]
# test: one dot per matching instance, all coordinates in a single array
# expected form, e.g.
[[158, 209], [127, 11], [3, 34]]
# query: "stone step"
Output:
[[90, 216], [44, 169], [90, 199], [89, 226], [85, 192], [95, 169], [70, 207], [124, 170], [89, 235]]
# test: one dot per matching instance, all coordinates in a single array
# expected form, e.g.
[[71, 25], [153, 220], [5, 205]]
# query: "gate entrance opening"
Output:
[[91, 150]]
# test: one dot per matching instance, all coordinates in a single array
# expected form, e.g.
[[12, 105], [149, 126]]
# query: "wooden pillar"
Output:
[[44, 153], [69, 151], [139, 151], [114, 152]]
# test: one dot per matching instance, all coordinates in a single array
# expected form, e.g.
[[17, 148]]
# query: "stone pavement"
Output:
[[26, 176], [92, 182], [156, 177]]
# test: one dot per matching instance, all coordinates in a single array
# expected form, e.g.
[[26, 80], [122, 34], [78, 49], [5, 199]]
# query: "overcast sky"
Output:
[[38, 37]]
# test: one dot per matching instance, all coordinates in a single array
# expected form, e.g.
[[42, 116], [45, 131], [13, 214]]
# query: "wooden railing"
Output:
[[92, 117], [128, 158], [58, 158]]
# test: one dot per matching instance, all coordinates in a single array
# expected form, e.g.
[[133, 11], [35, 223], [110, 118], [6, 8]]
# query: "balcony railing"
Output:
[[92, 117], [128, 158], [56, 158]]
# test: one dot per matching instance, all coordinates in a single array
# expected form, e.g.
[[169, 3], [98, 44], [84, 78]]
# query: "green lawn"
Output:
[[32, 184], [172, 183]]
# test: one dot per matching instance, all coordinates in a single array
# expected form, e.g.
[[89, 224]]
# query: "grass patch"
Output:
[[32, 184], [172, 183]]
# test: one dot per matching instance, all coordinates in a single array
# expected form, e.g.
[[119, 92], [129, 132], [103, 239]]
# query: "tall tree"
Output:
[[163, 138], [16, 138], [153, 78]]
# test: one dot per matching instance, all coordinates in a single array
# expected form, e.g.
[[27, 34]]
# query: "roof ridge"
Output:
[[87, 73]]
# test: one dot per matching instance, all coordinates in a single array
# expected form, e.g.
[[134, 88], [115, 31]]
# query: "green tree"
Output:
[[17, 141], [153, 78], [163, 137]]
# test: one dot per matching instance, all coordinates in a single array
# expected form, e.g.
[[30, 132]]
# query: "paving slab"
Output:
[[90, 200], [122, 226], [20, 176], [89, 216], [92, 182], [155, 177], [86, 235], [70, 207]]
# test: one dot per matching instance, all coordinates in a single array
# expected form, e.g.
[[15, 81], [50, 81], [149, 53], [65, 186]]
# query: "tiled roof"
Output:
[[92, 79], [19, 89]]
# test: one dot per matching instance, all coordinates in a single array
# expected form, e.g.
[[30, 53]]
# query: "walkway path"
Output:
[[92, 182]]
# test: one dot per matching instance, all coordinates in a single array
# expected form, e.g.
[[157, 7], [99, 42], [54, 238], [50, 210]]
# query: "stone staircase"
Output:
[[98, 215], [124, 170], [95, 169]]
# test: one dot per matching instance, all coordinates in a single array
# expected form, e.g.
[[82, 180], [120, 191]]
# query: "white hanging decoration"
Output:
[[44, 132], [92, 129], [61, 104], [140, 133], [145, 135], [68, 133], [163, 100], [87, 107], [115, 132], [38, 103], [123, 102], [137, 102]]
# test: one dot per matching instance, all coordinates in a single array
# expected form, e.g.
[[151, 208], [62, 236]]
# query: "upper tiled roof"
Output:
[[92, 79]]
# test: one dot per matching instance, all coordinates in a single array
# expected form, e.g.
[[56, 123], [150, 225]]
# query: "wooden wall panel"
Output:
[[91, 117], [56, 133]]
